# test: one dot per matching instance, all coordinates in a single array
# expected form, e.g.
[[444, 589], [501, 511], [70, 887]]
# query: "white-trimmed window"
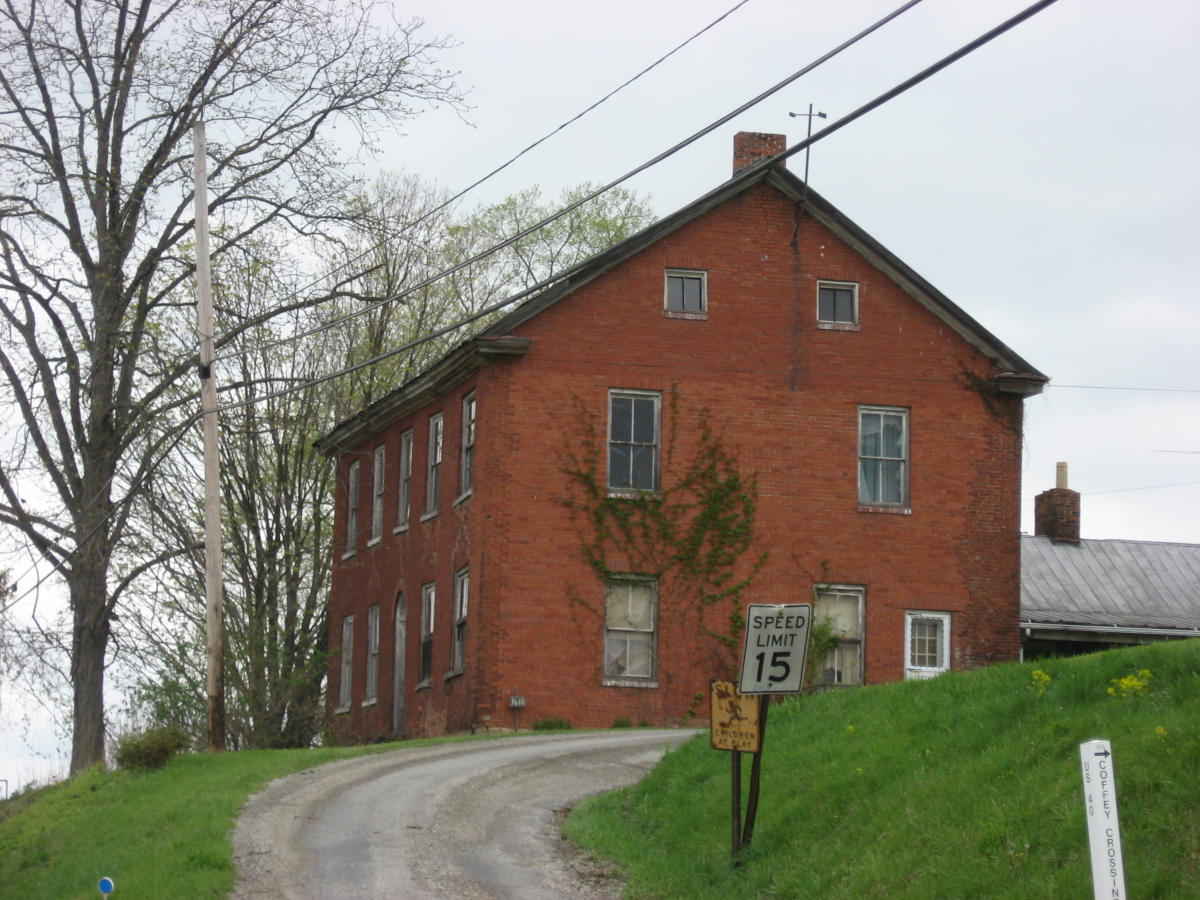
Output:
[[351, 507], [347, 668], [462, 587], [428, 601], [372, 655], [837, 303], [404, 498], [433, 464], [882, 456], [633, 441], [377, 493], [467, 469], [842, 607], [686, 292], [630, 616], [926, 644]]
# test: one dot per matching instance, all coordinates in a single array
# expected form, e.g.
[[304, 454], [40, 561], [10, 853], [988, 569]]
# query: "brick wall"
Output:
[[784, 394]]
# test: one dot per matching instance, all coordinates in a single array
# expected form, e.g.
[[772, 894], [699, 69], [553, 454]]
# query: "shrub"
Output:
[[150, 749], [552, 723], [622, 722]]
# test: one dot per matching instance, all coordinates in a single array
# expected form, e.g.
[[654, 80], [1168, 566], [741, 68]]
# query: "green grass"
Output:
[[965, 786], [163, 833]]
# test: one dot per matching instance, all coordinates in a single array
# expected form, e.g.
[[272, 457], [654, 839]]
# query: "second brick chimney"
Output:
[[751, 146], [1056, 512]]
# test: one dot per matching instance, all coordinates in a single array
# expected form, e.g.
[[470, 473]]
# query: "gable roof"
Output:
[[1110, 585], [1014, 375]]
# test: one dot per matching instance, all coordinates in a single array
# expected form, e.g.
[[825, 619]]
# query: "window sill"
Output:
[[421, 686], [453, 673], [886, 510], [463, 497], [400, 529], [375, 540], [610, 681], [349, 553], [341, 710], [629, 493], [923, 674], [371, 702], [679, 314], [839, 326], [429, 515]]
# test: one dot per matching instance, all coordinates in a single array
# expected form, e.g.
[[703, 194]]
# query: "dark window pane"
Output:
[[643, 468], [825, 303], [621, 427], [643, 420], [618, 465], [844, 306], [691, 295], [674, 292]]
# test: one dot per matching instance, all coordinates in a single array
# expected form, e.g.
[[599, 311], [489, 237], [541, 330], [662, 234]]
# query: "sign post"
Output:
[[773, 658], [1104, 827]]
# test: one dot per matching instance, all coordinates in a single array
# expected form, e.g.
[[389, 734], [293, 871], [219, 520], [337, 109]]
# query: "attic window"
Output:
[[837, 305], [686, 294]]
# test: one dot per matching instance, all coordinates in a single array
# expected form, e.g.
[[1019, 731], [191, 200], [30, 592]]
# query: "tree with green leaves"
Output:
[[98, 99]]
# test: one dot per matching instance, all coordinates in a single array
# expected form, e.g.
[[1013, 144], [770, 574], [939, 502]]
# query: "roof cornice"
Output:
[[450, 371]]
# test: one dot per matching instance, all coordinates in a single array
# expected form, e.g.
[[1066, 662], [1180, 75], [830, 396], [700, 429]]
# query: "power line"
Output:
[[1149, 487], [835, 126], [1109, 387], [500, 168], [633, 172]]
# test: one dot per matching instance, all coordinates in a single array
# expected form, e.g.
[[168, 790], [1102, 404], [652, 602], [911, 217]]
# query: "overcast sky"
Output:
[[1047, 183]]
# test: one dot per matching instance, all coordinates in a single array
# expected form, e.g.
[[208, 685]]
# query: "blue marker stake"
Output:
[[106, 885]]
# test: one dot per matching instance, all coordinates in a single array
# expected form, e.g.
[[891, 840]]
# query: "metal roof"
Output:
[[1110, 584]]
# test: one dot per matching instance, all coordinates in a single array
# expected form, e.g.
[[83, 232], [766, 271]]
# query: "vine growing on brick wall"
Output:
[[692, 534]]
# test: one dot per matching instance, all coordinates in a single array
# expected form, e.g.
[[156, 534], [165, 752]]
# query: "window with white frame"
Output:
[[433, 464], [372, 655], [840, 606], [404, 498], [377, 494], [633, 440], [630, 614], [467, 469], [428, 599], [351, 507], [462, 585], [837, 303], [882, 456], [686, 292], [347, 668], [926, 644]]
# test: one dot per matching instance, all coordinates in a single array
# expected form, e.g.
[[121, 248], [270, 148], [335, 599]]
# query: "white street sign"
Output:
[[1104, 829], [776, 643]]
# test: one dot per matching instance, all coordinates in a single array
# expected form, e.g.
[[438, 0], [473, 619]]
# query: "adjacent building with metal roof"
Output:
[[1082, 595]]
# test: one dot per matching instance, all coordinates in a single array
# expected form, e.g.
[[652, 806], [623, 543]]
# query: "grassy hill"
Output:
[[962, 787], [965, 786]]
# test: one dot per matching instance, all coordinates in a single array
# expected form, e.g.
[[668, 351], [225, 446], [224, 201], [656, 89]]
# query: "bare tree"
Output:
[[97, 102]]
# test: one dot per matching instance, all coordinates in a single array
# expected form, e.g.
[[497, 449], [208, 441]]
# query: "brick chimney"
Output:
[[751, 146], [1056, 512]]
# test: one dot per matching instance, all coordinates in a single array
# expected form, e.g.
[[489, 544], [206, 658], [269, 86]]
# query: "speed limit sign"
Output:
[[776, 643]]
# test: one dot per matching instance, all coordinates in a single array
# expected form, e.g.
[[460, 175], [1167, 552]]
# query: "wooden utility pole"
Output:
[[214, 618]]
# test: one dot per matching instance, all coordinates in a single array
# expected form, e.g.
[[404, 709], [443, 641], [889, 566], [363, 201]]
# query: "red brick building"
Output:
[[880, 424]]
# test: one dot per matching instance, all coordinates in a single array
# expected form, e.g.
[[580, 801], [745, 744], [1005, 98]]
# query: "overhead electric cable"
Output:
[[837, 125], [571, 121], [708, 129]]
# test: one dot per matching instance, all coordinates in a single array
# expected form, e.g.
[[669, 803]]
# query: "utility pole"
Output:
[[214, 618]]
